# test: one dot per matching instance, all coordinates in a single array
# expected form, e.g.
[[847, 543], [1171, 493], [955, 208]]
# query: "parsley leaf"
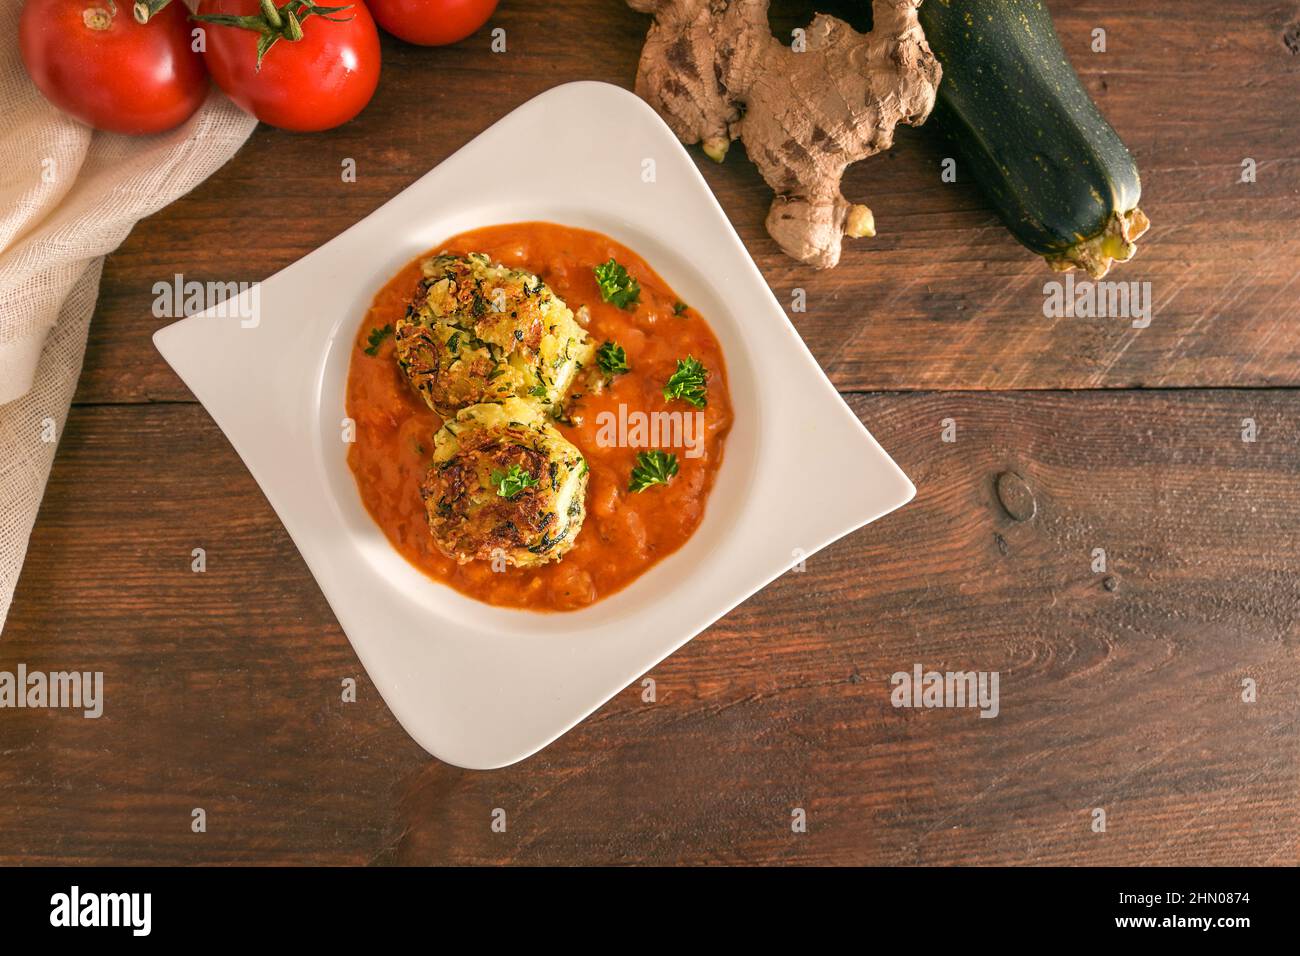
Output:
[[616, 285], [652, 468], [612, 359], [512, 481], [689, 382], [377, 336], [679, 308]]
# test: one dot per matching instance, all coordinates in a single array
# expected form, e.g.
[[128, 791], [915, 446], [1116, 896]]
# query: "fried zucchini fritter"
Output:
[[477, 331], [504, 483]]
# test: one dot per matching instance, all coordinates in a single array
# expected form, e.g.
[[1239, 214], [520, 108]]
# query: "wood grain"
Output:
[[943, 298], [1119, 690]]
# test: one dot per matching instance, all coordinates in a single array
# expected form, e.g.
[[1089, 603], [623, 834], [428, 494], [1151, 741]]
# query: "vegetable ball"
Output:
[[505, 484], [477, 331]]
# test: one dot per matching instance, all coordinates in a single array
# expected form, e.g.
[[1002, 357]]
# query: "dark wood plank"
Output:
[[223, 688], [942, 298]]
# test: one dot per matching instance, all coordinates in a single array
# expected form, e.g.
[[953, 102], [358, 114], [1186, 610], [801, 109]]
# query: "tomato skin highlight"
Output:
[[432, 22], [122, 78], [309, 85]]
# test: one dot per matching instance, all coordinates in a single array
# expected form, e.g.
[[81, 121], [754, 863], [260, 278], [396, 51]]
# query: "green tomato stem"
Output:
[[144, 10]]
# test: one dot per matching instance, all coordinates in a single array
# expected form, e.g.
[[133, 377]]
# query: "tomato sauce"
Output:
[[624, 533]]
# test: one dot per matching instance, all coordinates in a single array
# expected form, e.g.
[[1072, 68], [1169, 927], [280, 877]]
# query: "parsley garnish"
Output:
[[679, 308], [616, 285], [612, 359], [512, 481], [538, 391], [376, 336], [689, 382], [652, 468], [453, 342]]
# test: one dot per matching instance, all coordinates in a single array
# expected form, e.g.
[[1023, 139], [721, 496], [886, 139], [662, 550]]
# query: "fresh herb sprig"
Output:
[[616, 286], [612, 359], [510, 482], [690, 382], [375, 338], [652, 468]]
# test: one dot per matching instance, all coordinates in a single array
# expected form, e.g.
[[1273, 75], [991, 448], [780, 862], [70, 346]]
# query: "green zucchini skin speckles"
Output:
[[1026, 130]]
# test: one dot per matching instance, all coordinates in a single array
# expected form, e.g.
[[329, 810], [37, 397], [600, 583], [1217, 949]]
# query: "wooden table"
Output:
[[1120, 690]]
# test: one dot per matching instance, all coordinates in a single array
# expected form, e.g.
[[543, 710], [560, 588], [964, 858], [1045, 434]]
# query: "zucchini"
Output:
[[1026, 130]]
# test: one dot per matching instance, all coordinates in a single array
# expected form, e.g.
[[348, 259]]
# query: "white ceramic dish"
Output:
[[480, 686]]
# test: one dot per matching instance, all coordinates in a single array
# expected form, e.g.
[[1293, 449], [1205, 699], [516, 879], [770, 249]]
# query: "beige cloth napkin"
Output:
[[68, 196]]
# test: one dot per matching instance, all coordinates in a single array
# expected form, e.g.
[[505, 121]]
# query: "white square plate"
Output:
[[481, 686]]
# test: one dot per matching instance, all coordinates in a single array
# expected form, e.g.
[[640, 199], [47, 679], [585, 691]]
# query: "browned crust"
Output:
[[470, 522]]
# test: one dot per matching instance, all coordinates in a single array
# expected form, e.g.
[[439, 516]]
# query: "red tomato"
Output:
[[432, 22], [316, 83], [94, 62]]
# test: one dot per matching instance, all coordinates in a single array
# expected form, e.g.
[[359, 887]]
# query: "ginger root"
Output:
[[714, 71]]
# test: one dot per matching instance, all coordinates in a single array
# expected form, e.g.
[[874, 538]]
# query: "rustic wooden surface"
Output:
[[1119, 690]]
